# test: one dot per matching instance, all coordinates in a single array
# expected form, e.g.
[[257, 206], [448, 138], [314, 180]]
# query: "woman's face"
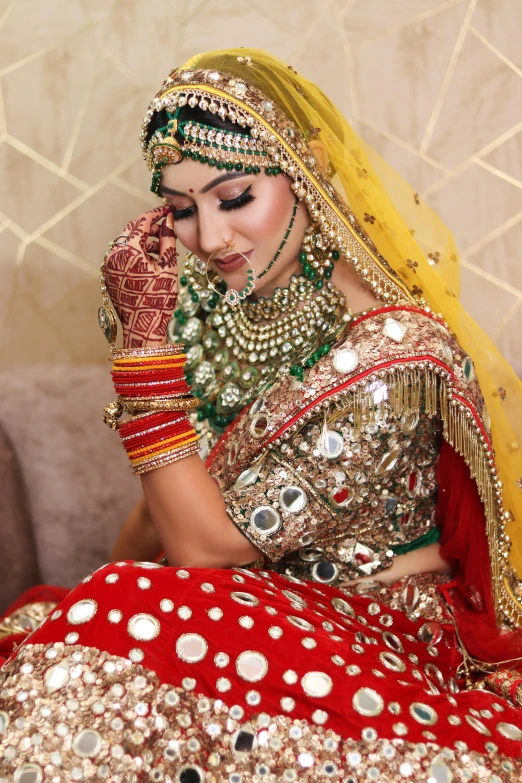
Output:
[[253, 211]]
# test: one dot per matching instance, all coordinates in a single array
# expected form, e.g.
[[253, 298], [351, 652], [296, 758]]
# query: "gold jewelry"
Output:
[[114, 410], [166, 459], [147, 352], [131, 404], [233, 297], [106, 315], [234, 354], [111, 414]]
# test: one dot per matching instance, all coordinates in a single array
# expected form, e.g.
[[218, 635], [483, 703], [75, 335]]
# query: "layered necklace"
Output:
[[233, 355]]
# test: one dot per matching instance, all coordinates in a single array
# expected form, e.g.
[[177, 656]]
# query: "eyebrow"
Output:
[[164, 190]]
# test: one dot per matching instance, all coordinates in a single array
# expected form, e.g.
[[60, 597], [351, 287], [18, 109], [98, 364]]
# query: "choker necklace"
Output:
[[234, 355]]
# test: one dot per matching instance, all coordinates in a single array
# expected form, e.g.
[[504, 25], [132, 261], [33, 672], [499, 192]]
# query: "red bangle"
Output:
[[157, 380], [139, 378], [175, 441], [172, 388], [155, 419], [157, 436]]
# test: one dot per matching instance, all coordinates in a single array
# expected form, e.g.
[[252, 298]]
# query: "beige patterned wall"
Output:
[[434, 85]]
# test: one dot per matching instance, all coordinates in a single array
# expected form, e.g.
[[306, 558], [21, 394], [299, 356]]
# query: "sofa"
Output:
[[65, 484]]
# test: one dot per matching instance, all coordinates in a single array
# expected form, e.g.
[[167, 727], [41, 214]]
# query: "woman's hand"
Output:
[[141, 275], [420, 561]]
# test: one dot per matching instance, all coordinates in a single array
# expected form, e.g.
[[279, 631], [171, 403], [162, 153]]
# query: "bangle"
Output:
[[131, 404], [149, 364], [122, 354], [156, 451], [171, 438], [151, 386], [167, 459], [159, 422], [145, 443], [169, 389]]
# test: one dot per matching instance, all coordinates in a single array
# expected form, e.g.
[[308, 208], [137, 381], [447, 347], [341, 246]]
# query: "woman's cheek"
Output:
[[273, 209], [260, 221]]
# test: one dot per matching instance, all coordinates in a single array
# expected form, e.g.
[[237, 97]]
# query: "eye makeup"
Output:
[[224, 204]]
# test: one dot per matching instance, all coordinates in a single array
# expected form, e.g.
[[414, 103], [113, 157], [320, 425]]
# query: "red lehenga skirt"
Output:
[[151, 673]]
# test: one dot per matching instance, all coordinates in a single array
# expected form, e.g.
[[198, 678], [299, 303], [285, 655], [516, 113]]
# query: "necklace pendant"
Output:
[[232, 297]]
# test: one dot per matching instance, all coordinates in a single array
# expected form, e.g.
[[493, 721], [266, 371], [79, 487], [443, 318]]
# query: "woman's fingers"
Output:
[[157, 220], [168, 254], [152, 245], [148, 223]]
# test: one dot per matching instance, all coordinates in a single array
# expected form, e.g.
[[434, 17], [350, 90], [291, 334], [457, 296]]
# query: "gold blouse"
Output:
[[332, 477]]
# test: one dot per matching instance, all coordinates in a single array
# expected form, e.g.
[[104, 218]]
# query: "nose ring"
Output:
[[233, 297]]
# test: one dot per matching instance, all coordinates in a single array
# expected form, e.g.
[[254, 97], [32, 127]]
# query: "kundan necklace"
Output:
[[233, 355]]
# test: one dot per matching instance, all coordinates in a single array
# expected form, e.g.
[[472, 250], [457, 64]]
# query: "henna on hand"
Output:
[[141, 277]]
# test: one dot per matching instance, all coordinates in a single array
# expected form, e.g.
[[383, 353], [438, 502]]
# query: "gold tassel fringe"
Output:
[[405, 387]]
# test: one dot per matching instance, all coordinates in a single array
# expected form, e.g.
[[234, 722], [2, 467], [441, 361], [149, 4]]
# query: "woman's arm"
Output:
[[191, 526], [189, 513], [183, 511], [138, 538]]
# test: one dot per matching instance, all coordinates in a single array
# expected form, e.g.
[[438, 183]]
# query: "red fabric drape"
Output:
[[464, 544]]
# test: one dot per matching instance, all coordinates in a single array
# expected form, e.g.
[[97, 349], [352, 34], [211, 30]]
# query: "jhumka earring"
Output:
[[317, 256], [233, 297]]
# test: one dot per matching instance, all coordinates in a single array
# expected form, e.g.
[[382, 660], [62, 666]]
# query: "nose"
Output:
[[213, 231]]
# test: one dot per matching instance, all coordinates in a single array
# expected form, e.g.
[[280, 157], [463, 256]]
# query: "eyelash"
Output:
[[236, 203]]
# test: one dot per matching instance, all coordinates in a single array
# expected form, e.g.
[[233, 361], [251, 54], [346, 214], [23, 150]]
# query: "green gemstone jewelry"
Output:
[[223, 149], [317, 257], [283, 243], [234, 353]]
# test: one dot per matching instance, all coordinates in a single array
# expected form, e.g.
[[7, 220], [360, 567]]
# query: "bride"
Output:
[[329, 594]]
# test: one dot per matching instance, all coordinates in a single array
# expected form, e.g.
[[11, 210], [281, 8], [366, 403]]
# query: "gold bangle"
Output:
[[131, 404], [111, 414], [166, 459], [147, 351]]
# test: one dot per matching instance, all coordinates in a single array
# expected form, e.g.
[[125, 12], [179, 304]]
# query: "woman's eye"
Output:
[[235, 203], [183, 214], [225, 204]]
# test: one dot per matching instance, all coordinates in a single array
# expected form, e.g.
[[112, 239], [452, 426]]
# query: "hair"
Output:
[[160, 119]]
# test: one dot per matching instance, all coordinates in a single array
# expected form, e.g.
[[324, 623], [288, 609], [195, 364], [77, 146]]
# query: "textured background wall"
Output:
[[434, 85]]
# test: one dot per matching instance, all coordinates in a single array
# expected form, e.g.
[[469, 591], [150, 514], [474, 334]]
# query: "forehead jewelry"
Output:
[[233, 297], [226, 149]]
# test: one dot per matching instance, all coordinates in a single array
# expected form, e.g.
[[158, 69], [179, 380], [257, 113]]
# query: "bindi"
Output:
[[190, 190]]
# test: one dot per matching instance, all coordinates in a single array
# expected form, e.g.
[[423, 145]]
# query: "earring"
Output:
[[317, 256], [233, 297]]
